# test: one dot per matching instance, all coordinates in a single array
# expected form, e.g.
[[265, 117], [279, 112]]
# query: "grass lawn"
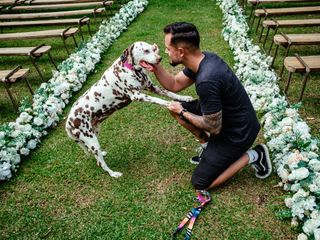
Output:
[[60, 193]]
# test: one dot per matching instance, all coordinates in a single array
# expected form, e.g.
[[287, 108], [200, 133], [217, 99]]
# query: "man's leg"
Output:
[[231, 170], [201, 135], [217, 166], [258, 157]]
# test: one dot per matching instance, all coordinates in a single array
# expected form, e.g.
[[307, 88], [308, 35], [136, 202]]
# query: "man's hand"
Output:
[[175, 107]]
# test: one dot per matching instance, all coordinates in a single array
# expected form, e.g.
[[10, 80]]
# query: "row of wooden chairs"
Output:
[[296, 63], [16, 14]]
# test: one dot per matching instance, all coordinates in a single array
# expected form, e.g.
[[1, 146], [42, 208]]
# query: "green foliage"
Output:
[[284, 214]]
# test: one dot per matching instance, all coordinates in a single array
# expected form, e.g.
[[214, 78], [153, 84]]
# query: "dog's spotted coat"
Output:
[[121, 84]]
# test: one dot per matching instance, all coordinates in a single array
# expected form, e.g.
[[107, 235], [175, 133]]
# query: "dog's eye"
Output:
[[146, 51]]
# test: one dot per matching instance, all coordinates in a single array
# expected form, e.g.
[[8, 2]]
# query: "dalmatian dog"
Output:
[[120, 84]]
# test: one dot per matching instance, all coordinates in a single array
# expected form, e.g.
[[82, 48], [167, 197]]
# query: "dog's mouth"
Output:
[[149, 66]]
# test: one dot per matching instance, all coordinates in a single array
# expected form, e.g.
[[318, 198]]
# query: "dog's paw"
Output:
[[116, 174], [186, 98], [104, 153]]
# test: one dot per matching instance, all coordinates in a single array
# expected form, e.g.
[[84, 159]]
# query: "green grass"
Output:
[[60, 193]]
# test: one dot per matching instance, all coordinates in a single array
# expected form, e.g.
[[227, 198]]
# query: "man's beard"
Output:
[[173, 64]]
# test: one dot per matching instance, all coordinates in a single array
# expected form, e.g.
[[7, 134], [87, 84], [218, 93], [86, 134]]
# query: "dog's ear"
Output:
[[127, 55]]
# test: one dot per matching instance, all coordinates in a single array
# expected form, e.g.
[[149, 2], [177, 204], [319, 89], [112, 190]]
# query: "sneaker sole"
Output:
[[193, 162], [268, 163]]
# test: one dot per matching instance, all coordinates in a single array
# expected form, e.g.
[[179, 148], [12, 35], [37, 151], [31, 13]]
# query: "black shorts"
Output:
[[216, 158]]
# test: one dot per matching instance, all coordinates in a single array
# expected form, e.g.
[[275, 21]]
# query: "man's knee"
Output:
[[200, 182]]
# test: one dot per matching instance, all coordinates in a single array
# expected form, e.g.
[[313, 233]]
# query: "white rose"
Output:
[[32, 144], [311, 225], [38, 121], [295, 187], [24, 151], [294, 222], [283, 173], [2, 135], [315, 214], [5, 171], [16, 159], [313, 188], [298, 174], [302, 236], [288, 202], [317, 234], [314, 165]]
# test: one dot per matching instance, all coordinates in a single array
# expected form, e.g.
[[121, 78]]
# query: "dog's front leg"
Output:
[[138, 96], [163, 92]]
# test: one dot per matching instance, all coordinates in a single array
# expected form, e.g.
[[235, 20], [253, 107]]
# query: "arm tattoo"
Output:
[[213, 122]]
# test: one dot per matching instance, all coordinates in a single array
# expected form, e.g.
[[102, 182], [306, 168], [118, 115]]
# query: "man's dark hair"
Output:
[[183, 32]]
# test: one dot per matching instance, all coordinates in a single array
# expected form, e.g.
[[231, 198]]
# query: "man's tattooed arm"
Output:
[[211, 123]]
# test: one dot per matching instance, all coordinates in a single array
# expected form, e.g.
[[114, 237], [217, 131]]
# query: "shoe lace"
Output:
[[256, 166]]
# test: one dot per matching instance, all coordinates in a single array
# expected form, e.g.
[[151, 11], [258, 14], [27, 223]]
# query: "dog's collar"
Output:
[[128, 65]]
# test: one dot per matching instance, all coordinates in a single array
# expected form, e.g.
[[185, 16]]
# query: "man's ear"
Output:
[[127, 54], [181, 51]]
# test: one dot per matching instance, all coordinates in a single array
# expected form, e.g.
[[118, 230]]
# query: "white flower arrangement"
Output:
[[294, 151], [19, 137]]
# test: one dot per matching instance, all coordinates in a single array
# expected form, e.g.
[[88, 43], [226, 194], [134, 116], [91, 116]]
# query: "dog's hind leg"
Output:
[[96, 129], [83, 146], [102, 163], [93, 146]]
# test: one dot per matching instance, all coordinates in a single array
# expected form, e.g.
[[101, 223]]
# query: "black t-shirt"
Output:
[[219, 89]]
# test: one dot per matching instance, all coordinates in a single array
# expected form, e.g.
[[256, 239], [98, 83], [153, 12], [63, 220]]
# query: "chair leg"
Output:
[[29, 86], [80, 29], [251, 13], [89, 29], [271, 45], [265, 39], [12, 98], [288, 83], [74, 39], [51, 59], [261, 34], [286, 54], [304, 82], [65, 45], [94, 18], [258, 24], [274, 56], [253, 20], [36, 67]]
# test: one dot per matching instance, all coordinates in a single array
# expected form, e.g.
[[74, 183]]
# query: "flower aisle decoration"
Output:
[[18, 138], [295, 152]]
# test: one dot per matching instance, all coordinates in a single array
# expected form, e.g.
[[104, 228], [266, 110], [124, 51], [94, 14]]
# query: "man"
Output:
[[223, 119]]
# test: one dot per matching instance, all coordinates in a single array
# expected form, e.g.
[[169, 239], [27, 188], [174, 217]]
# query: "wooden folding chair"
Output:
[[61, 33], [288, 40], [8, 77], [33, 53], [304, 65]]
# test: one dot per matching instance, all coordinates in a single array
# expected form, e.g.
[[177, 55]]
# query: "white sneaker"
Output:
[[196, 159]]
